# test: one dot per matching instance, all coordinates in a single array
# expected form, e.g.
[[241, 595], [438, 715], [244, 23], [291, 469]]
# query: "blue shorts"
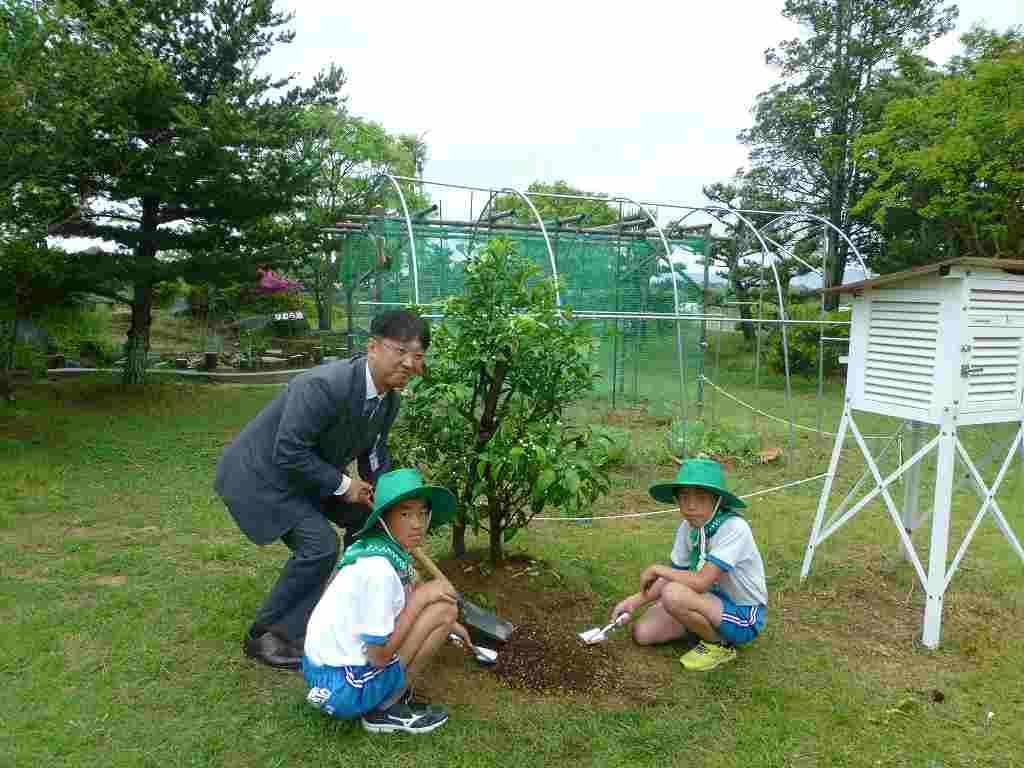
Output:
[[740, 623], [348, 692]]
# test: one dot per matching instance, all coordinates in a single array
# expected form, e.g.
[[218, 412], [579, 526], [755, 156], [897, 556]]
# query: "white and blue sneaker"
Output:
[[402, 717]]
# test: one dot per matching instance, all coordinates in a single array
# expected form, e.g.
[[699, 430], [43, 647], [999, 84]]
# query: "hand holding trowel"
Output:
[[472, 615], [600, 634]]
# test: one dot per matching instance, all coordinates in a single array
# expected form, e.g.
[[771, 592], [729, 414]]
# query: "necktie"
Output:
[[370, 408]]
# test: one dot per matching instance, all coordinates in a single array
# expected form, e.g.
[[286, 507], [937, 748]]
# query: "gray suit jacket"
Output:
[[291, 456]]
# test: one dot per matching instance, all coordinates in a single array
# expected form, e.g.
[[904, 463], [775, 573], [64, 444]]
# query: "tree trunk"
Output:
[[837, 254], [459, 538], [325, 294], [323, 308], [137, 352], [743, 296], [7, 343], [497, 553]]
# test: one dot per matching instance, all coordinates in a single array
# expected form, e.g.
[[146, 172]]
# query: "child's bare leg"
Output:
[[656, 626], [428, 633], [699, 612]]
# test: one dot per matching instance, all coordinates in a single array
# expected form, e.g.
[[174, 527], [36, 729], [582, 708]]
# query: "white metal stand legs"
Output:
[[936, 578]]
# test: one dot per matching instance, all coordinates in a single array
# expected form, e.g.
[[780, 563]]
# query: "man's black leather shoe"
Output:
[[272, 650]]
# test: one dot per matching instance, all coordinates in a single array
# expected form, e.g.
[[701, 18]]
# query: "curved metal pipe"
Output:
[[827, 223], [675, 301], [547, 242], [782, 309], [412, 240]]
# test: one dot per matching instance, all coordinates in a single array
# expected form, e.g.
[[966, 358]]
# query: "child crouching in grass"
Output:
[[372, 632], [715, 586]]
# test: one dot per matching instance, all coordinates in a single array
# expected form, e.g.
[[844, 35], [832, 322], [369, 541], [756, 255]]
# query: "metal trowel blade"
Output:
[[592, 636]]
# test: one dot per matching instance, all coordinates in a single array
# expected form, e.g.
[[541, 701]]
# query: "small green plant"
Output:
[[696, 438], [254, 343], [609, 446], [26, 358]]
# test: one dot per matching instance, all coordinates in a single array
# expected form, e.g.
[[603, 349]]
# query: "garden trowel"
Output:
[[473, 615], [600, 634], [483, 655]]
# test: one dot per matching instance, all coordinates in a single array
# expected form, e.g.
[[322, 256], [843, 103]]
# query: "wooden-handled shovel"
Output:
[[473, 615]]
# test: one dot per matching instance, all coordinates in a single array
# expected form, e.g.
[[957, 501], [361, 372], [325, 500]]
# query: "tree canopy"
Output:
[[948, 166], [805, 126], [583, 213], [184, 157], [348, 155]]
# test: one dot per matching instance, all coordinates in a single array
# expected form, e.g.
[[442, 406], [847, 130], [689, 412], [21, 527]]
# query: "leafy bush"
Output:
[[803, 341], [269, 303], [696, 438], [71, 325], [27, 358], [609, 446], [488, 417], [166, 293]]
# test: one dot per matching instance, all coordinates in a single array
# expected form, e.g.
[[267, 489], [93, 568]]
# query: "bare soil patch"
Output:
[[545, 656]]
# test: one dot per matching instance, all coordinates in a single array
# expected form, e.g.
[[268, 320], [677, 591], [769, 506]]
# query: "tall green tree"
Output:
[[949, 165], [348, 154], [48, 88], [188, 158], [805, 126]]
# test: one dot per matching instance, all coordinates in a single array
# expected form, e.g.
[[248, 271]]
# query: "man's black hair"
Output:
[[401, 325]]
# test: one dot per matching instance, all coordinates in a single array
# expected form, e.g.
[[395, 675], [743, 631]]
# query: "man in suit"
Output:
[[284, 477]]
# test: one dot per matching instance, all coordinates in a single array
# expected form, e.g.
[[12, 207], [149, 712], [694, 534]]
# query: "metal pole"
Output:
[[547, 241], [412, 240], [821, 364], [704, 324], [785, 358], [826, 491], [912, 485], [757, 343], [935, 587], [680, 343], [718, 371]]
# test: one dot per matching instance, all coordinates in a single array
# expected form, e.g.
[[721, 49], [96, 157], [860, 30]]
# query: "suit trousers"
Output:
[[314, 545]]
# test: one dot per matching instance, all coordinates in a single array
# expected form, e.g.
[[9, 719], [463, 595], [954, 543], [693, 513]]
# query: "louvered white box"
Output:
[[942, 345], [946, 336]]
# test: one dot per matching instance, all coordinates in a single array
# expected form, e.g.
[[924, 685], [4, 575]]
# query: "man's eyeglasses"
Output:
[[416, 357]]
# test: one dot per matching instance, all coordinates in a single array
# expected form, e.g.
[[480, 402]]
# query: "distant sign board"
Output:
[[289, 316]]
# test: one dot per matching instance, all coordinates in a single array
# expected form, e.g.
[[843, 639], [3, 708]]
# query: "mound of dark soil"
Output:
[[545, 654]]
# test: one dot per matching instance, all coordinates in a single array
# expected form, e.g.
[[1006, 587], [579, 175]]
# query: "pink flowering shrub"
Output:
[[271, 282]]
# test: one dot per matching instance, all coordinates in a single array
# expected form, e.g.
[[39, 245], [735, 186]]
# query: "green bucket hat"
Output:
[[703, 473], [401, 484]]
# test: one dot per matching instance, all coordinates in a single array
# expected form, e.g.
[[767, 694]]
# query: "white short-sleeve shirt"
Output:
[[734, 550], [360, 607]]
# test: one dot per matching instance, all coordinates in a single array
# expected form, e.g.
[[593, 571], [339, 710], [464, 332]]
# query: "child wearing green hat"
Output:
[[715, 586], [373, 632]]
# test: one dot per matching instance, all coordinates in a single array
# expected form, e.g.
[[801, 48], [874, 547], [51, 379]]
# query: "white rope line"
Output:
[[779, 419], [608, 517], [676, 509], [787, 485]]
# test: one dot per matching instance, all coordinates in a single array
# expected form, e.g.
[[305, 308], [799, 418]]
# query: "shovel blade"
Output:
[[486, 622], [485, 655], [592, 636]]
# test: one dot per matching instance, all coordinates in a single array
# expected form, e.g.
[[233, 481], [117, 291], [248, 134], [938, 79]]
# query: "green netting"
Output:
[[598, 273]]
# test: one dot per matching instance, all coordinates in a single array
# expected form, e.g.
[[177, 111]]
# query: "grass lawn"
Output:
[[126, 588]]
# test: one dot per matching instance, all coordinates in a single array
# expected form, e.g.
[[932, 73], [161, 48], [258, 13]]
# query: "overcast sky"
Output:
[[639, 99]]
